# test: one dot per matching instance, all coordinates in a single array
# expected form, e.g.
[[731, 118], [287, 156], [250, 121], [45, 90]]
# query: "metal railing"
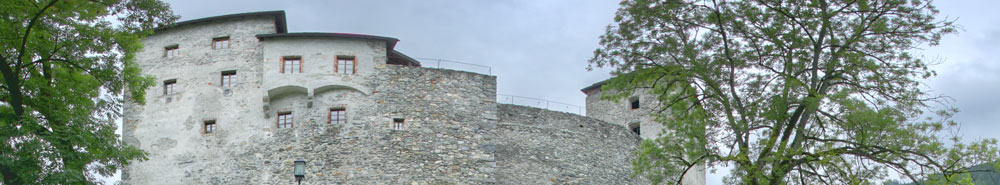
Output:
[[540, 103], [455, 65]]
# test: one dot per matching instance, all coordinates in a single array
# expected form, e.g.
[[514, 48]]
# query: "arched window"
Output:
[[634, 127]]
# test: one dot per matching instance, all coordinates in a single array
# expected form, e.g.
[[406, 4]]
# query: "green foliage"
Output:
[[67, 66], [788, 92]]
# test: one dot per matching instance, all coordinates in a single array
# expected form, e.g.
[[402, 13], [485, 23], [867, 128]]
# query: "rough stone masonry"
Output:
[[239, 99]]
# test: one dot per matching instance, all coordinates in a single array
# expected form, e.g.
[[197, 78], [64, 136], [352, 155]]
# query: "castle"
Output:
[[239, 99]]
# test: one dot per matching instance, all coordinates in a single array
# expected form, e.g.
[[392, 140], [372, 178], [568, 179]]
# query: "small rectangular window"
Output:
[[398, 124], [169, 86], [285, 120], [345, 65], [228, 78], [220, 43], [209, 126], [337, 116], [172, 51], [291, 65], [635, 103]]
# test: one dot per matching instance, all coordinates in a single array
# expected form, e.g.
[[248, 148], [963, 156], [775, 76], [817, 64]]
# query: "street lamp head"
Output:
[[300, 170]]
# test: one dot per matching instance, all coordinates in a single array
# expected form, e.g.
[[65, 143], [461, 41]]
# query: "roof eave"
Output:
[[586, 90], [409, 61], [389, 40], [279, 20]]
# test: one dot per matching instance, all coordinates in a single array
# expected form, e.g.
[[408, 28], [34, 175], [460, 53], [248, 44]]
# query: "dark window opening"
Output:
[[635, 103], [634, 126]]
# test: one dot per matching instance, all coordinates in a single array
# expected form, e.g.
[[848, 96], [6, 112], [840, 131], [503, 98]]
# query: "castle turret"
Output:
[[633, 113]]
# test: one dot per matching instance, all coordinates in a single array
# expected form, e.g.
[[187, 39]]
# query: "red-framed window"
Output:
[[169, 86], [345, 65], [291, 64], [209, 126], [220, 43], [228, 78], [285, 120], [172, 51], [337, 115]]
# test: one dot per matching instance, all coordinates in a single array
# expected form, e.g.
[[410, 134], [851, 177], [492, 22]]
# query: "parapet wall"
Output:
[[447, 117], [446, 114], [538, 146], [454, 133]]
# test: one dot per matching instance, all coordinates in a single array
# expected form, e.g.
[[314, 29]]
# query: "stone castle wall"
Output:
[[169, 127], [436, 146], [538, 146], [454, 133]]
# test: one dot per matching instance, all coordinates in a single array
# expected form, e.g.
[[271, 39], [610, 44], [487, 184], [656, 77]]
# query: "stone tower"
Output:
[[633, 113], [239, 98]]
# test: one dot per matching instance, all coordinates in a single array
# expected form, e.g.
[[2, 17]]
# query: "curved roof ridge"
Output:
[[395, 57], [327, 34], [279, 20]]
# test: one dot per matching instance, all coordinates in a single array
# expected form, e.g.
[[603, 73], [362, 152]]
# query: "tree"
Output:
[[788, 92], [67, 65]]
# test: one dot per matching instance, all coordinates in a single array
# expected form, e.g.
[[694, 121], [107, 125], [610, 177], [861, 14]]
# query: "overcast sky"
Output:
[[539, 48]]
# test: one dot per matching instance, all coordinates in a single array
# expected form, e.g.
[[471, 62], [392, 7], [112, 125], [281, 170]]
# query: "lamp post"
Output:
[[300, 170]]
